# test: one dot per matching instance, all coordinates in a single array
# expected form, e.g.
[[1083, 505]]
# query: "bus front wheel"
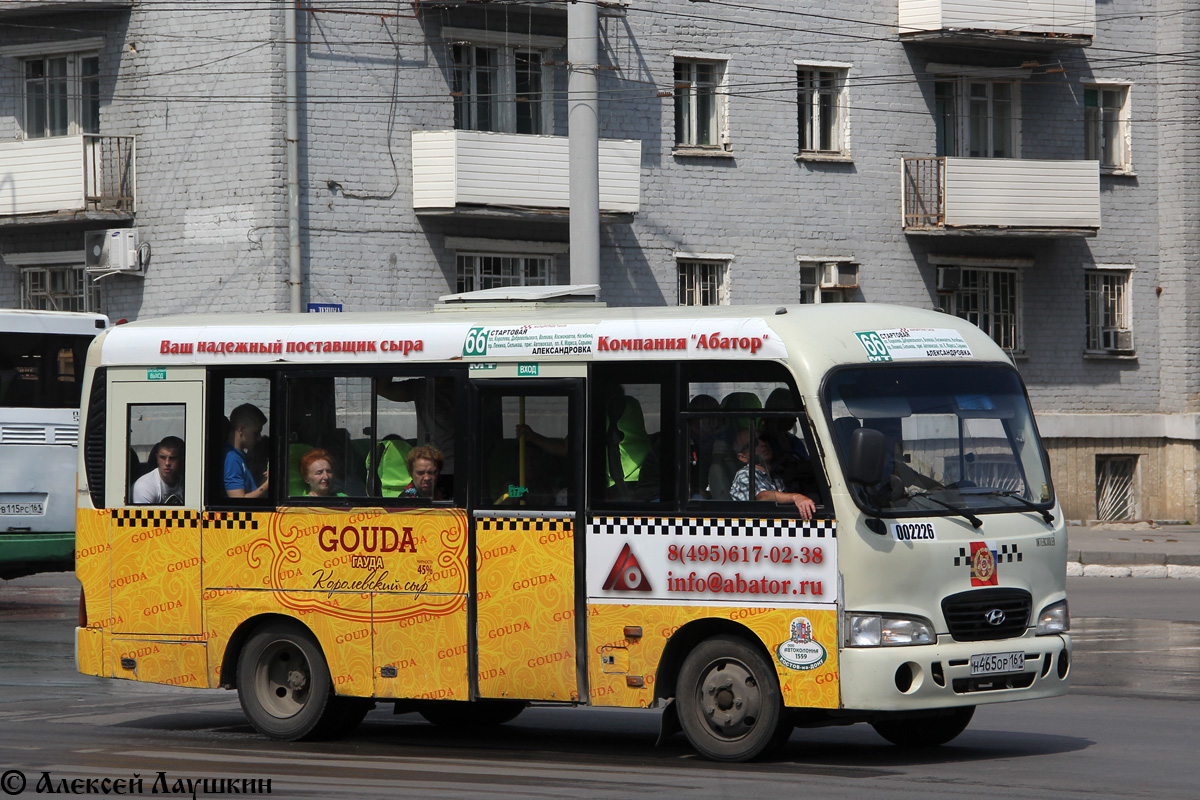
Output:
[[929, 730], [728, 700], [284, 685]]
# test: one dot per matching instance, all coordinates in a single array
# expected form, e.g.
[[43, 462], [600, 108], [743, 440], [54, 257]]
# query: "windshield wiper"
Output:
[[962, 512], [1012, 495]]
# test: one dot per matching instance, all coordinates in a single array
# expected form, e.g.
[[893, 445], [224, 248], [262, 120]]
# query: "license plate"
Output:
[[23, 509], [997, 663]]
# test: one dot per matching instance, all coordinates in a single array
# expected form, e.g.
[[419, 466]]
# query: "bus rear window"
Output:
[[39, 370]]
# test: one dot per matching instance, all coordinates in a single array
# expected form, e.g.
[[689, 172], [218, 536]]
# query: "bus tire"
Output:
[[728, 699], [929, 730], [285, 688], [481, 713]]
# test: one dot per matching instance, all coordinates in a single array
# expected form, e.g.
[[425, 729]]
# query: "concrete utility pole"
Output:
[[583, 125], [292, 137]]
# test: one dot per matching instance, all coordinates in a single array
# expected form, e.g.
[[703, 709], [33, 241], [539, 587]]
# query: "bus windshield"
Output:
[[41, 370], [955, 438]]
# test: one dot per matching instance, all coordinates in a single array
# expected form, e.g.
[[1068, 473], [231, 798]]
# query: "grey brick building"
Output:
[[1032, 166]]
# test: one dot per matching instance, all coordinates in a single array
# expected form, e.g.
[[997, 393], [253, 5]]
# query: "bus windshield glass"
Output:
[[41, 370], [955, 438]]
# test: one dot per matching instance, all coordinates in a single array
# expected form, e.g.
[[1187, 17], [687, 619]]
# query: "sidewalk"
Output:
[[1133, 549]]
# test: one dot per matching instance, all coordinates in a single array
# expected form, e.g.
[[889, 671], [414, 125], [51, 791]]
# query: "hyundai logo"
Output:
[[994, 617]]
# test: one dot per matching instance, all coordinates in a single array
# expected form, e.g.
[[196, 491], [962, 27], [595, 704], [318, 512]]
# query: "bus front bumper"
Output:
[[942, 676]]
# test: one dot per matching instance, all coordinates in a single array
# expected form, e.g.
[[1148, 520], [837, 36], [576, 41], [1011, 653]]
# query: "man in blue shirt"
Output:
[[245, 428]]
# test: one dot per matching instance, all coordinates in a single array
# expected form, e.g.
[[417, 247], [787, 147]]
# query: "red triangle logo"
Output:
[[627, 574]]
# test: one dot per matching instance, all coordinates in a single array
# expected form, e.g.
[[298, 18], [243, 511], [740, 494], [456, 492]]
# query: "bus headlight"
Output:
[[1055, 618], [877, 630]]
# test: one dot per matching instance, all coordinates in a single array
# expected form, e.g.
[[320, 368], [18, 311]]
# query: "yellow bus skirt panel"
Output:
[[526, 598], [91, 648], [156, 661], [802, 643], [420, 650]]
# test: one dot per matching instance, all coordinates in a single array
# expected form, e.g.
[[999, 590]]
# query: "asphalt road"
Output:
[[1129, 728]]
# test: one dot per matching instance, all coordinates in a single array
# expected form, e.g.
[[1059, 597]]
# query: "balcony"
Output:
[[67, 178], [1008, 196], [477, 173], [1023, 23]]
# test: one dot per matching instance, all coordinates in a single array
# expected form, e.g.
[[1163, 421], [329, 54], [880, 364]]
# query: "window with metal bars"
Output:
[[1109, 314], [1116, 487], [58, 288], [490, 271], [702, 283], [990, 300]]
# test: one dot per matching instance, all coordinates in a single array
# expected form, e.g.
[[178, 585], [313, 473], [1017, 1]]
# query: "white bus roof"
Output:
[[17, 320], [820, 336]]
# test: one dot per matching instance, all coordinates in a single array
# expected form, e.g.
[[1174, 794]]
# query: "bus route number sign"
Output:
[[476, 343], [873, 344]]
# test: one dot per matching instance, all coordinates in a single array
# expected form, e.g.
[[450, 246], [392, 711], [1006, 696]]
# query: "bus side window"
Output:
[[527, 453], [240, 432], [155, 447], [412, 412], [631, 459], [328, 436]]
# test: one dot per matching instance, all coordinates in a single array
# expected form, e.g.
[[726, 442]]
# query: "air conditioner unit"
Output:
[[112, 251], [1116, 339], [949, 279], [839, 275]]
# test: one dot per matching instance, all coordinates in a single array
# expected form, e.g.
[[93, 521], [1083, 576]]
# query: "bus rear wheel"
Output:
[[728, 700], [285, 689], [929, 730]]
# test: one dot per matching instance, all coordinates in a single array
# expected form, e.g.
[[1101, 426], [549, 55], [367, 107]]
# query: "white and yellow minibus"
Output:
[[751, 517]]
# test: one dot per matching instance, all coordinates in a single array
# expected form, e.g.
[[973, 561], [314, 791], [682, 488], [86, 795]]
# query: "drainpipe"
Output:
[[583, 126], [292, 137]]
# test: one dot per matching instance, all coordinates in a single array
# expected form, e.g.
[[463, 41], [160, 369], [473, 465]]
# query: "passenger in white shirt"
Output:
[[164, 484]]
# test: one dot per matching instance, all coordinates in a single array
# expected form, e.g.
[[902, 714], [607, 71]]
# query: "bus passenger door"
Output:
[[155, 431], [525, 491]]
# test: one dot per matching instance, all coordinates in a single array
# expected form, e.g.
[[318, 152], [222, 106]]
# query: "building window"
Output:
[[821, 98], [58, 288], [702, 282], [987, 298], [977, 119], [62, 95], [499, 89], [490, 271], [698, 103], [825, 280], [1109, 313], [1116, 487], [1106, 126]]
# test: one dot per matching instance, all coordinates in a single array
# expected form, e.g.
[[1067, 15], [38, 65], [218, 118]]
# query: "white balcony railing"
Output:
[[1053, 18], [985, 193], [455, 168], [67, 174]]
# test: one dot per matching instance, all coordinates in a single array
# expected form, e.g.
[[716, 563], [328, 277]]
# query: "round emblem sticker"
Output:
[[984, 563], [801, 651]]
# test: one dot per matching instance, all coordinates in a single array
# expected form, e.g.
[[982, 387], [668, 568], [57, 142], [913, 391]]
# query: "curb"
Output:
[[1145, 565]]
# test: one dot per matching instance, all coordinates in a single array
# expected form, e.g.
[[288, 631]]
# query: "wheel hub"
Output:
[[730, 699]]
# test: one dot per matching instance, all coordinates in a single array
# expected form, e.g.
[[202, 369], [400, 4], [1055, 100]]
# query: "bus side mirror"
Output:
[[867, 457]]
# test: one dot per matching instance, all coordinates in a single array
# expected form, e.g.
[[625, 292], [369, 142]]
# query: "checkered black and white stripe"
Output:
[[156, 518], [1007, 554], [523, 524], [714, 526]]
